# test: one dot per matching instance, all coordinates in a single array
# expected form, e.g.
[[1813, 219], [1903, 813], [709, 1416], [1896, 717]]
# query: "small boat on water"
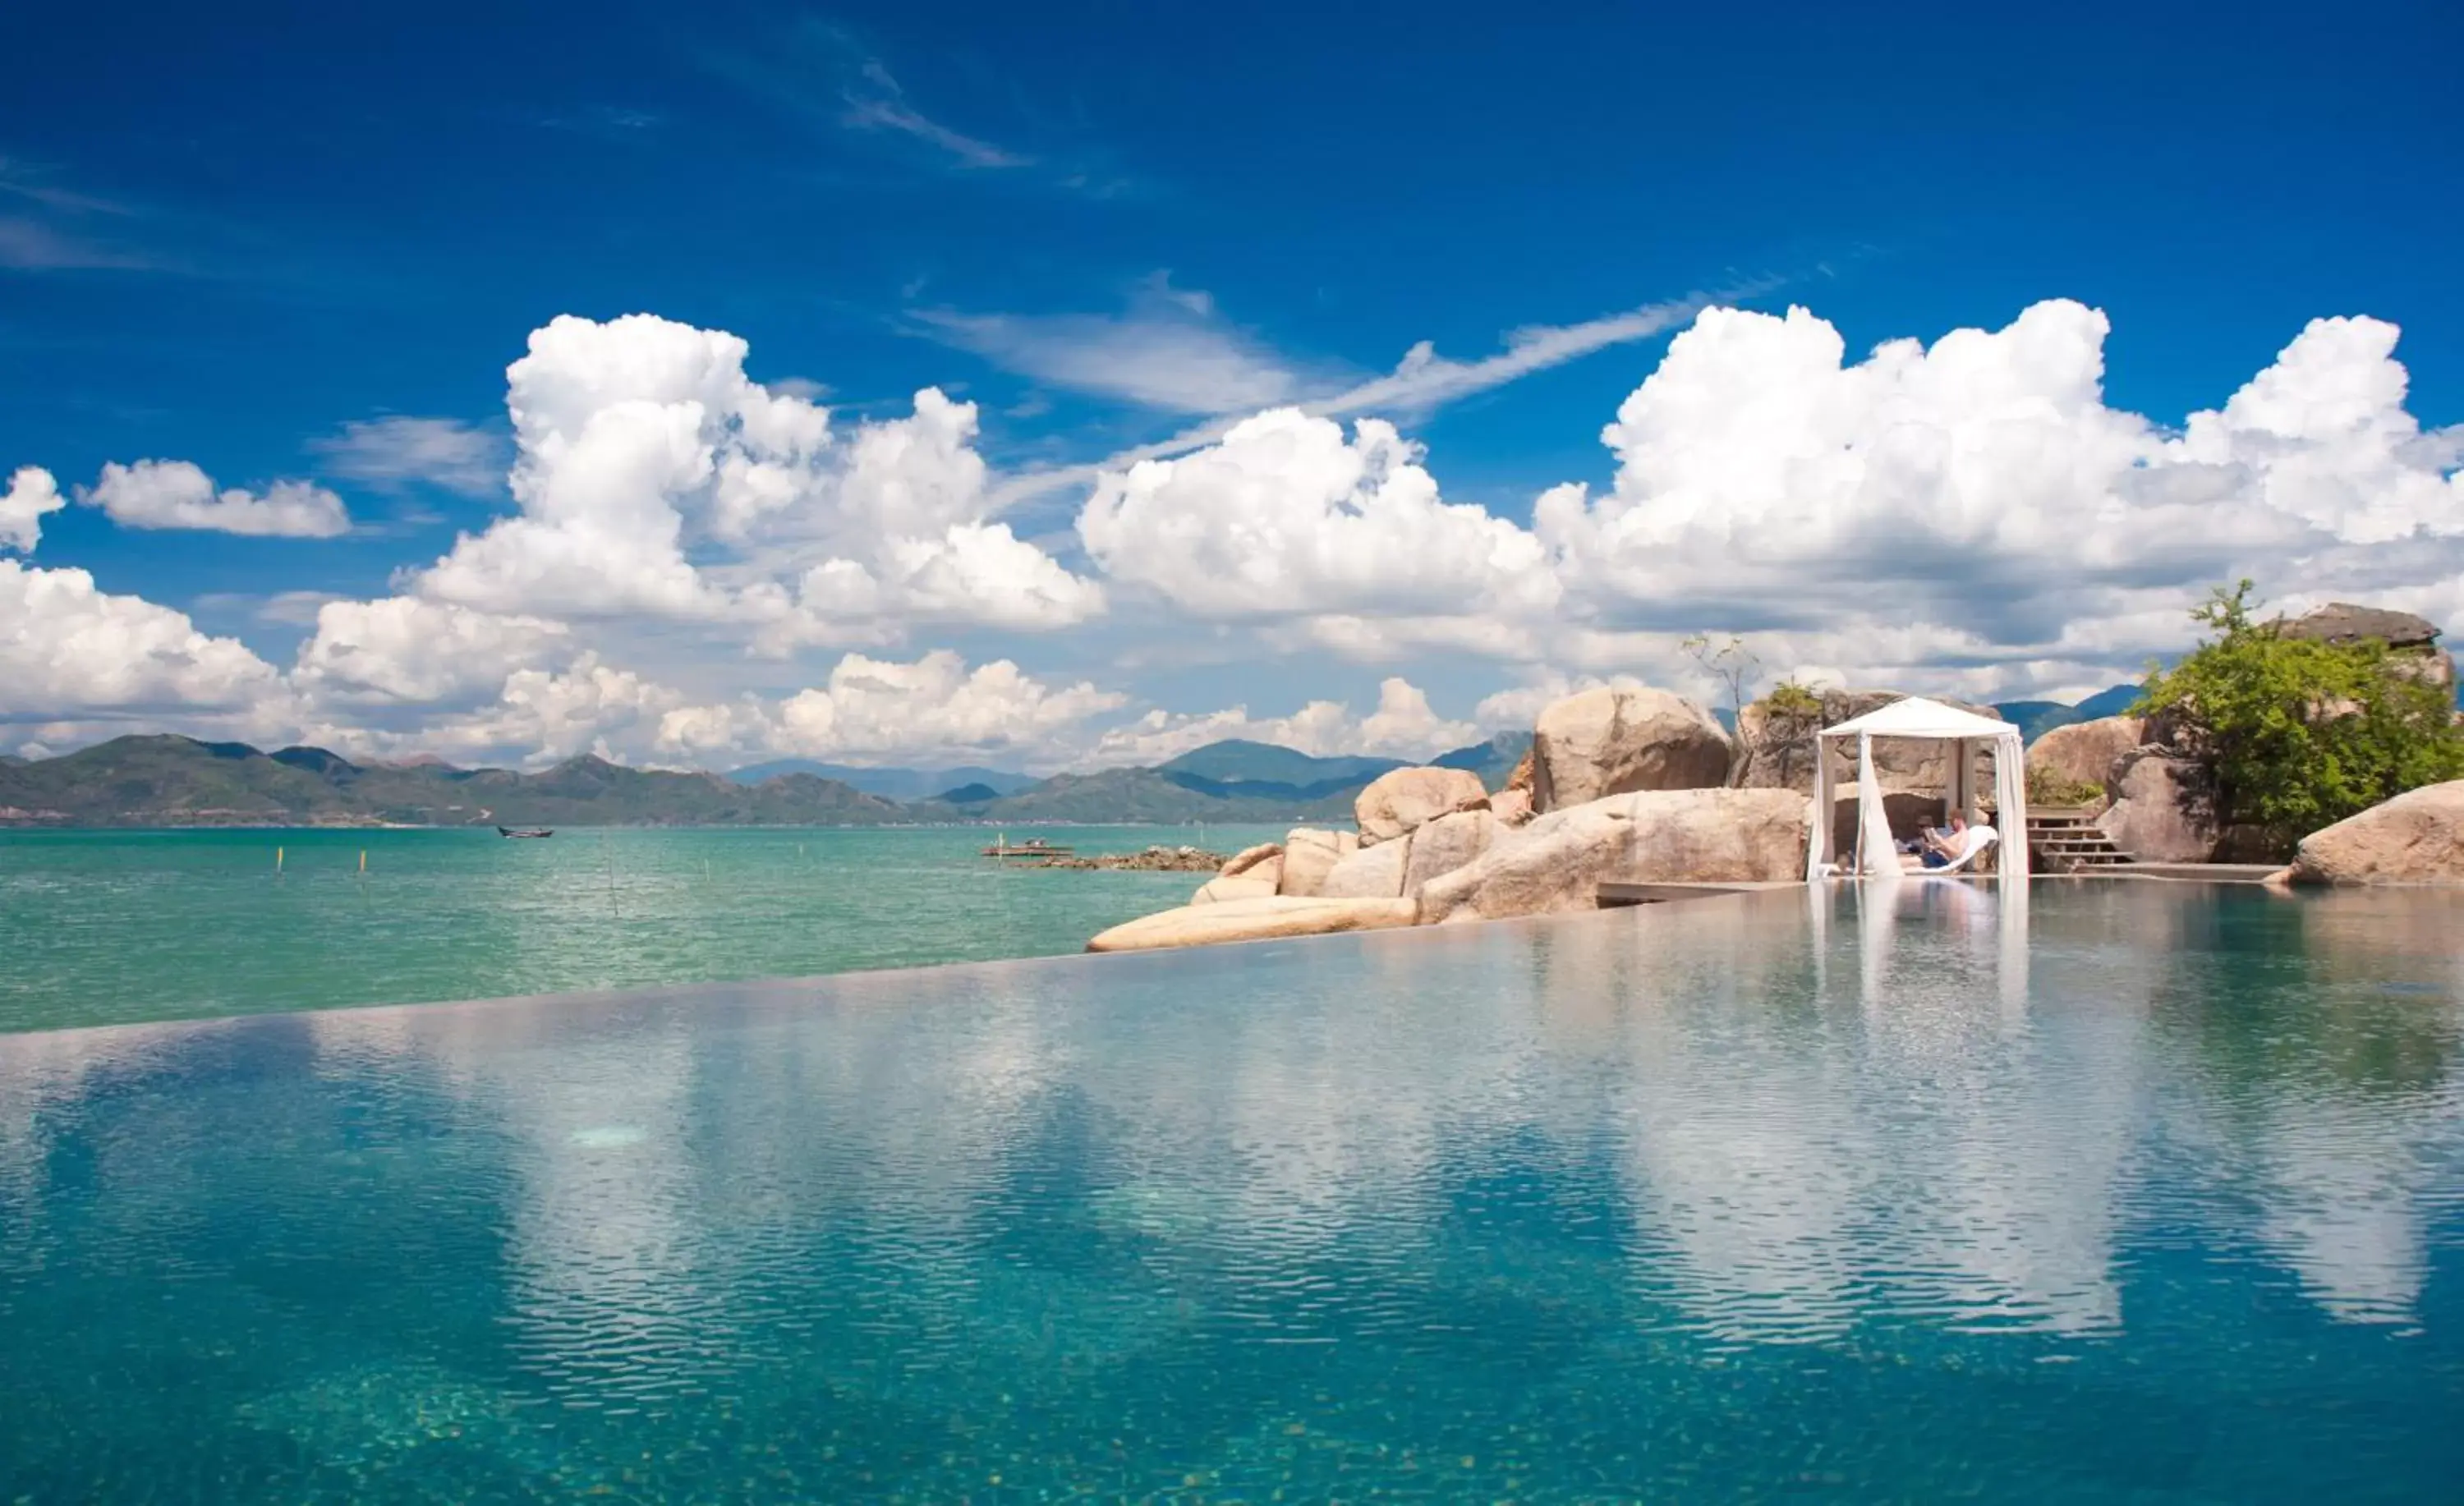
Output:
[[1032, 847], [525, 831]]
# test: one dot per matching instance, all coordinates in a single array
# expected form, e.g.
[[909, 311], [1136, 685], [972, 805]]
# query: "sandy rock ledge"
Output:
[[1262, 919]]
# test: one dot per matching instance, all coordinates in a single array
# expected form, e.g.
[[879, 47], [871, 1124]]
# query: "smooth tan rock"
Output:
[[1659, 836], [1555, 863], [1718, 837], [1247, 886], [1309, 856], [1400, 799], [2416, 838], [1248, 858], [1610, 741], [1369, 873], [1254, 919], [1512, 806], [2085, 753], [2164, 807], [1447, 844]]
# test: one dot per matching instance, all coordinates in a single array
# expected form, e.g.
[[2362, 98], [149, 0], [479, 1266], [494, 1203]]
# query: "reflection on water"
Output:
[[1889, 1190]]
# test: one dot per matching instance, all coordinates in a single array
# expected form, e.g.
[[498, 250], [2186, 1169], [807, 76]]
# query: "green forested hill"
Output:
[[179, 781]]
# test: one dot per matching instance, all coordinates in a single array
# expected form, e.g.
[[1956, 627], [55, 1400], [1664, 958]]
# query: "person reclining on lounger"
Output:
[[1953, 845]]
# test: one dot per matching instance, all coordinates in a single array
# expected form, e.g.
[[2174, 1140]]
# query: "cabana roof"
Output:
[[1917, 717]]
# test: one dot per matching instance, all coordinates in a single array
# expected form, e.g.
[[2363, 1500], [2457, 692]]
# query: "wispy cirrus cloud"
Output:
[[56, 230], [876, 102], [820, 73], [1421, 382], [394, 452], [1169, 349]]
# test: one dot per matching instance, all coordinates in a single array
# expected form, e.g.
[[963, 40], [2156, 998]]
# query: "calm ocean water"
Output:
[[112, 927], [2150, 1194]]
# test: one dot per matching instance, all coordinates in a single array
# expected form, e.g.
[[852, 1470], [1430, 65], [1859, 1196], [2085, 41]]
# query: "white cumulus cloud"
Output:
[[1976, 503], [69, 649], [175, 493], [1291, 517], [656, 479], [402, 650], [934, 705], [32, 492]]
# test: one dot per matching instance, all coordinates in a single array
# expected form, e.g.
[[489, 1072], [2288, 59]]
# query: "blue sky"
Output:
[[227, 238]]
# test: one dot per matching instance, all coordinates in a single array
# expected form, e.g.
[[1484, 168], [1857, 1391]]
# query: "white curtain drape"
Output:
[[1818, 842], [1878, 856], [2011, 806]]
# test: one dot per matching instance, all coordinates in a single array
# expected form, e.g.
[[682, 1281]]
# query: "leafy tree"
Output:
[[2301, 734]]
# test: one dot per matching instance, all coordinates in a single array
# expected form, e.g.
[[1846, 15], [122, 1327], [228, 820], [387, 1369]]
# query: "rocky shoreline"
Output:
[[1644, 786], [1150, 860]]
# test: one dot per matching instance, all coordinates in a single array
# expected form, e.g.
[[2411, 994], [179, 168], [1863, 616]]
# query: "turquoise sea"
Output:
[[113, 926]]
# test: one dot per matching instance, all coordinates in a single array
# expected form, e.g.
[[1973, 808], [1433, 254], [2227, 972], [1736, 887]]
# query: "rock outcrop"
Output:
[[1309, 854], [1514, 807], [2416, 838], [2083, 754], [2412, 641], [1252, 885], [2163, 807], [1448, 843], [1248, 858], [1400, 799], [1667, 836], [1610, 741], [1253, 920], [1369, 873]]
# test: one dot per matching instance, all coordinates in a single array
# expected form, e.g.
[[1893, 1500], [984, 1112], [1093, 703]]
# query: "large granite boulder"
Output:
[[1253, 920], [1255, 884], [1612, 741], [1310, 855], [1514, 807], [1661, 836], [1447, 844], [1248, 858], [2163, 807], [1400, 799], [2412, 640], [2416, 838], [1776, 753], [2083, 754], [1369, 873]]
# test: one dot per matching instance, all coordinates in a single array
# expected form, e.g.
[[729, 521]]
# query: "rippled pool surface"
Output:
[[2143, 1193]]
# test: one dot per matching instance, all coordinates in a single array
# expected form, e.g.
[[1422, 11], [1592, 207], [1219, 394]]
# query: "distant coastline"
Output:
[[176, 783]]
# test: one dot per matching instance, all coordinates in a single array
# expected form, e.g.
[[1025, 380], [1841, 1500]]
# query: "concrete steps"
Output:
[[2064, 839]]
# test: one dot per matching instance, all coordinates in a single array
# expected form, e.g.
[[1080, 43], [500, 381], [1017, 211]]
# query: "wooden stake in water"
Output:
[[277, 860], [363, 862]]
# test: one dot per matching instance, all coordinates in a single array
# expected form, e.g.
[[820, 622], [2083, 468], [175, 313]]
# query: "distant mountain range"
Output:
[[179, 781], [894, 784], [2036, 718]]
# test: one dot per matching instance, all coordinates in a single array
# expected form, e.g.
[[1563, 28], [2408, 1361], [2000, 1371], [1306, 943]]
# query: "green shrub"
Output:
[[2301, 734], [2048, 788], [1792, 702]]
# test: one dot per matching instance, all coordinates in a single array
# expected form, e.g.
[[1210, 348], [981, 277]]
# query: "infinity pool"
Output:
[[2139, 1192]]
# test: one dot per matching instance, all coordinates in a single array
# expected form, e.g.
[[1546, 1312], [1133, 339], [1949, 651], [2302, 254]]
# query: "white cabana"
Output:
[[1916, 717]]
